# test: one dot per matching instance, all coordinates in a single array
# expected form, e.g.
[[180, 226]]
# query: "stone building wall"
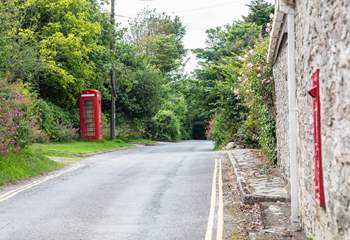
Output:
[[323, 41], [281, 96]]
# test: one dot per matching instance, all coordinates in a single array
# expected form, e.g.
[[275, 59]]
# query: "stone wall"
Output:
[[322, 41], [281, 91]]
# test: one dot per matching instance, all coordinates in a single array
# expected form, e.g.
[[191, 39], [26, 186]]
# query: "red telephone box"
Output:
[[90, 115], [315, 94]]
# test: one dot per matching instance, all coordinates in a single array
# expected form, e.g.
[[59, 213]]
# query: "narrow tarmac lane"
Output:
[[157, 193]]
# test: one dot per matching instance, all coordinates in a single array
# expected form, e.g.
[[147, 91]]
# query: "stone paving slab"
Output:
[[276, 221], [256, 182]]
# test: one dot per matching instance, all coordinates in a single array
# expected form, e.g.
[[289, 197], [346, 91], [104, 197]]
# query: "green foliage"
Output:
[[259, 13], [233, 86], [61, 47], [174, 101], [198, 100], [246, 112], [160, 38], [18, 51], [257, 92], [140, 96], [130, 128], [69, 38], [58, 124], [139, 86], [150, 71], [226, 41], [165, 126], [219, 66], [221, 130], [218, 77]]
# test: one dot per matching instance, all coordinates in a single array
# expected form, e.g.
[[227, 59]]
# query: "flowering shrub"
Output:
[[256, 90], [24, 119], [16, 120], [247, 117]]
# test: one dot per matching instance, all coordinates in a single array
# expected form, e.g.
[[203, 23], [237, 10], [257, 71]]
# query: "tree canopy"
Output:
[[69, 37], [160, 38]]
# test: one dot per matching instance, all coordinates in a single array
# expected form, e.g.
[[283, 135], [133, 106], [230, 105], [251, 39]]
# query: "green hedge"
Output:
[[165, 126], [58, 124]]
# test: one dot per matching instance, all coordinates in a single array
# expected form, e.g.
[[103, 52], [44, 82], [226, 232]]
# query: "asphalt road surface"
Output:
[[157, 193]]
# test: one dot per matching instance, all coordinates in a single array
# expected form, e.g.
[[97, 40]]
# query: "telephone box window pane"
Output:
[[89, 120], [90, 114]]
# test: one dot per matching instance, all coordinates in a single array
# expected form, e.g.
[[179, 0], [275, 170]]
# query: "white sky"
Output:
[[197, 16]]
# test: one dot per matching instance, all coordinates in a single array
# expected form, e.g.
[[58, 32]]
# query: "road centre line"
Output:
[[209, 231]]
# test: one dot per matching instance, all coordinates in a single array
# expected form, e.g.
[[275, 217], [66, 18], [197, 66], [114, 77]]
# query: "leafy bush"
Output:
[[176, 103], [235, 84], [16, 119], [126, 128], [165, 126], [139, 86], [221, 129], [245, 112], [59, 125], [257, 91]]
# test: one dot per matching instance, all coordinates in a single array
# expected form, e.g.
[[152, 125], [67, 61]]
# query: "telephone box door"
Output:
[[90, 115]]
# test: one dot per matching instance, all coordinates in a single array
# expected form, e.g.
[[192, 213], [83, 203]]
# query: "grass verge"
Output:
[[140, 141], [78, 148], [34, 161], [25, 164]]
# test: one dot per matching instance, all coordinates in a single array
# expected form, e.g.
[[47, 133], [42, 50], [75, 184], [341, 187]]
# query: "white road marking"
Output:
[[220, 226], [16, 191], [209, 232]]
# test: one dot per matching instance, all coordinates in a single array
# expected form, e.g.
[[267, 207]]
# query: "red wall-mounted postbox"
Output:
[[90, 115], [315, 94]]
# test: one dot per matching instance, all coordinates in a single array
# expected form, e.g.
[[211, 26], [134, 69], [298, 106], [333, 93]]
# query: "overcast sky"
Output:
[[197, 16]]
